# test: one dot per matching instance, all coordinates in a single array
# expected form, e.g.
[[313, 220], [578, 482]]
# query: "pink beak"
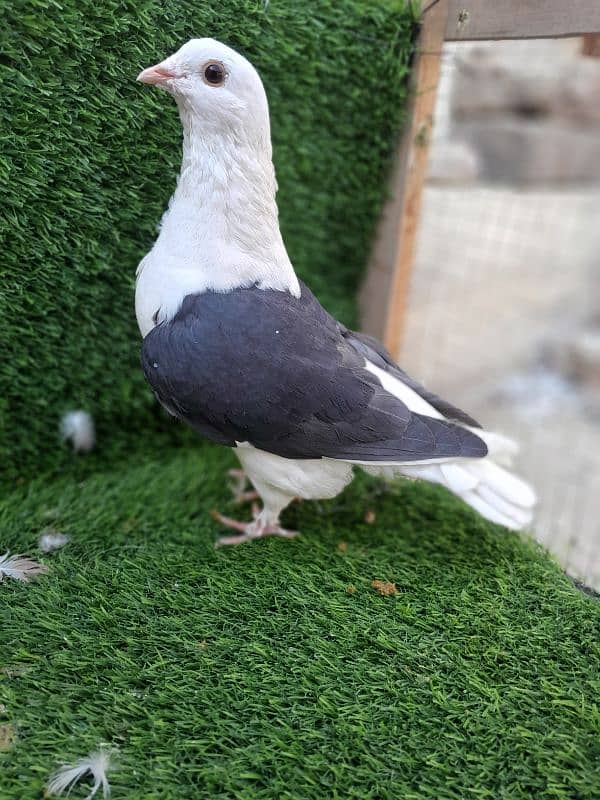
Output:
[[157, 74]]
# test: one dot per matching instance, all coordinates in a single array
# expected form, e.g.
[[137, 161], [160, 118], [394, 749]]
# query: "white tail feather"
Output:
[[522, 516], [488, 511], [501, 449], [483, 483], [495, 493], [504, 482], [458, 479]]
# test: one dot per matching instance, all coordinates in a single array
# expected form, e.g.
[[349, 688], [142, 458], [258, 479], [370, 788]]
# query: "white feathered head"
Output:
[[216, 85]]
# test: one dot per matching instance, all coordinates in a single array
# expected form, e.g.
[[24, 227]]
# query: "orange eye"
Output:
[[214, 74]]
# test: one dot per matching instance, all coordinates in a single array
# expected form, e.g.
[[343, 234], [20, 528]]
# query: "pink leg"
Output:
[[228, 522], [256, 529], [238, 487]]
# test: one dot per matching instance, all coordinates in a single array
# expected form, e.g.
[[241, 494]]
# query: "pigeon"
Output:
[[237, 347]]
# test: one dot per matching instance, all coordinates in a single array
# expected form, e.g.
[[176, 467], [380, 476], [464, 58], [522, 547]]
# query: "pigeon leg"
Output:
[[260, 526], [228, 522], [238, 486]]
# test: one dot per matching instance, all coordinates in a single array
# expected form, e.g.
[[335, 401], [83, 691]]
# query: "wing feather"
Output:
[[378, 355], [263, 367]]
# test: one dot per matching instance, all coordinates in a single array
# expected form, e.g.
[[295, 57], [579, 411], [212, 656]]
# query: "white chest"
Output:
[[159, 290], [215, 236]]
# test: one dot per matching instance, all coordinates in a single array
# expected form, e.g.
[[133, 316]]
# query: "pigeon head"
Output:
[[215, 86]]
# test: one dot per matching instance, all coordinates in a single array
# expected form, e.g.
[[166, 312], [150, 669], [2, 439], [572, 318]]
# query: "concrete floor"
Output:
[[503, 279]]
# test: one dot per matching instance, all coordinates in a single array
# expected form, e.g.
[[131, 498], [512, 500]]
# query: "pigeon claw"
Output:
[[228, 522], [248, 531]]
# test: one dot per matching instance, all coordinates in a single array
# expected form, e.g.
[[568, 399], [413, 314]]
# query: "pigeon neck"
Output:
[[216, 162], [224, 211]]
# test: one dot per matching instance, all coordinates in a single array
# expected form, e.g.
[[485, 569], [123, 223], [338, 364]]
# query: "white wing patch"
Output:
[[408, 396]]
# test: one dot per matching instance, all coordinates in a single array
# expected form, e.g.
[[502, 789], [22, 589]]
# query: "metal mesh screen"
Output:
[[504, 308]]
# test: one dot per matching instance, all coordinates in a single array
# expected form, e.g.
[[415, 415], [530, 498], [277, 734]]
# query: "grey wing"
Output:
[[386, 432], [263, 367], [378, 355]]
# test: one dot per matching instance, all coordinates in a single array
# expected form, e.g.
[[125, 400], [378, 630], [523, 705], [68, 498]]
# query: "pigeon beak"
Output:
[[158, 74]]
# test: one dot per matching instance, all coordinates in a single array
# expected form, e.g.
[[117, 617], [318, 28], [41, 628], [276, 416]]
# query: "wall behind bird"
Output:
[[89, 161]]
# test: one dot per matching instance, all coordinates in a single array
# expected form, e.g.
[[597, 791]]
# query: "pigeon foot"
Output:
[[248, 531]]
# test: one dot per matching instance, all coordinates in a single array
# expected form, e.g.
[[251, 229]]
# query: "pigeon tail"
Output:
[[489, 488]]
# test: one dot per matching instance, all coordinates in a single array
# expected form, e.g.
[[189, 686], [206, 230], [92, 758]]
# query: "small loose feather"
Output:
[[51, 540], [97, 764], [20, 567], [78, 428]]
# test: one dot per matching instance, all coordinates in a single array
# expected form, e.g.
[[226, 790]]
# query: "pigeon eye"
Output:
[[214, 74]]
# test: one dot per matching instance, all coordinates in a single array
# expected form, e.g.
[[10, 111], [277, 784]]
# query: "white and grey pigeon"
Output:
[[240, 349]]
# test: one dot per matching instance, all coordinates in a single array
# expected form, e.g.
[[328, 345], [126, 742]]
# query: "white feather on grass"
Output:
[[20, 568], [97, 764], [78, 428], [51, 540]]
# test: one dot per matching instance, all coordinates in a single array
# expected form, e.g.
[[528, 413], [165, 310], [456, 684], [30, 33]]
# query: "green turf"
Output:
[[88, 160], [253, 672]]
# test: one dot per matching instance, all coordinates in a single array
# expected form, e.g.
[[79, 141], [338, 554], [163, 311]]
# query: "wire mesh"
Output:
[[504, 309]]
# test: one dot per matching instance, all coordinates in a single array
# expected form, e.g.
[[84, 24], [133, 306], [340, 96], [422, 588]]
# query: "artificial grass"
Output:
[[257, 672], [89, 159]]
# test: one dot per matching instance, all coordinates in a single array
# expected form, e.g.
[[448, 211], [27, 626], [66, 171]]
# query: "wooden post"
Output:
[[470, 20], [591, 45], [384, 292]]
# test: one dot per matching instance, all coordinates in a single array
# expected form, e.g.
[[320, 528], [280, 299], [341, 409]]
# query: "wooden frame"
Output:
[[384, 293], [470, 20]]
